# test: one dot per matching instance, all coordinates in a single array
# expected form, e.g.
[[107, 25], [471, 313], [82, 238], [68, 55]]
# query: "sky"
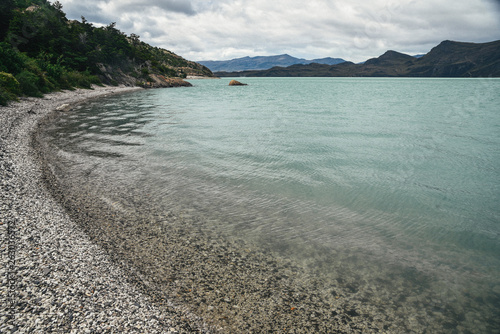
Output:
[[354, 30]]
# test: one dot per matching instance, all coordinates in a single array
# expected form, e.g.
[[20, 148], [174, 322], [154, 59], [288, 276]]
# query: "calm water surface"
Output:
[[350, 177]]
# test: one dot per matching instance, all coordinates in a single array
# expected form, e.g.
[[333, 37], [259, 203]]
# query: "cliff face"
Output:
[[448, 59]]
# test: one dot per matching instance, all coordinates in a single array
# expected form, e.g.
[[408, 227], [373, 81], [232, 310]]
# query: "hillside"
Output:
[[263, 63], [42, 51], [458, 59], [448, 59]]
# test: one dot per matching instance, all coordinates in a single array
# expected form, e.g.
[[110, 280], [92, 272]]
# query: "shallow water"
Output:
[[386, 187]]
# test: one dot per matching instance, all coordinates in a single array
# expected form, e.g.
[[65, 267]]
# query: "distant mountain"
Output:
[[263, 63], [327, 61], [448, 59]]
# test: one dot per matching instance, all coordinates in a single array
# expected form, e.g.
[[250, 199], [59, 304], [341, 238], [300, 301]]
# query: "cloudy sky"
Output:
[[351, 29]]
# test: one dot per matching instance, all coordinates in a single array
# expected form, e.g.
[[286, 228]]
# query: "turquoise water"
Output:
[[348, 176]]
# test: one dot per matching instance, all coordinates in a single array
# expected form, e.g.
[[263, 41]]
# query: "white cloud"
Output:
[[354, 30]]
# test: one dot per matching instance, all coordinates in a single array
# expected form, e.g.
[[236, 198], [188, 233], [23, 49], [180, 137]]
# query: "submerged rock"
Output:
[[236, 83]]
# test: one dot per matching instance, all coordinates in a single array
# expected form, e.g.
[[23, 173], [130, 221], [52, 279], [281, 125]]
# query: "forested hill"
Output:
[[42, 51]]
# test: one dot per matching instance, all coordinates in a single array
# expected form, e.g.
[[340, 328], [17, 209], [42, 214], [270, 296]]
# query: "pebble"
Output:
[[47, 262]]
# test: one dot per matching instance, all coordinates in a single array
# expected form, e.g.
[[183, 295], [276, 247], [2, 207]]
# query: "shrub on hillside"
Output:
[[11, 61], [9, 83], [80, 79], [29, 83], [9, 88]]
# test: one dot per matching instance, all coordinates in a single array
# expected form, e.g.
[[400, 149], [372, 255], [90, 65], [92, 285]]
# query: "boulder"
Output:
[[236, 83]]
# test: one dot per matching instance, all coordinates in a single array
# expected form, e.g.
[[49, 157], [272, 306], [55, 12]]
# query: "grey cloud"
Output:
[[155, 32], [351, 29], [89, 10], [175, 6], [496, 4], [179, 6]]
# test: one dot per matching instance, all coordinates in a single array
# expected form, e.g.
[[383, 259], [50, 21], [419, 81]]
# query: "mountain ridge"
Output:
[[448, 59], [263, 62]]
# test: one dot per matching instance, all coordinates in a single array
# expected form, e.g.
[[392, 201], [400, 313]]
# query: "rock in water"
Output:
[[236, 83]]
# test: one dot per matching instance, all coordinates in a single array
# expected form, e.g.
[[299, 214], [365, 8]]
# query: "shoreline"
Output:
[[95, 270], [81, 256], [54, 278]]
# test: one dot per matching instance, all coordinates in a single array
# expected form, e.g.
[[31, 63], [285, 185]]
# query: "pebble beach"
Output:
[[54, 278], [73, 262]]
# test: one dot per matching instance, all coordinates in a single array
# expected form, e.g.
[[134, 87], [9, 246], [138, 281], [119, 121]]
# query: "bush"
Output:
[[4, 97], [34, 80], [54, 71], [145, 72], [9, 88], [29, 83], [11, 61], [80, 79], [9, 83]]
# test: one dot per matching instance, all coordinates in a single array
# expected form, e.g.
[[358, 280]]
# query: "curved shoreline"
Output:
[[76, 260], [71, 270], [54, 278], [169, 259]]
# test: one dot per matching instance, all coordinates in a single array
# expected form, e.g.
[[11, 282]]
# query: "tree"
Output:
[[57, 5], [6, 8]]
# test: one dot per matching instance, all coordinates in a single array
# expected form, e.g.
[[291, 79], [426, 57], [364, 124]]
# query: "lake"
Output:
[[387, 189]]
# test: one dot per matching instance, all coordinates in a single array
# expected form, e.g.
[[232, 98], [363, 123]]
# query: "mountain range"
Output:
[[448, 59], [263, 63]]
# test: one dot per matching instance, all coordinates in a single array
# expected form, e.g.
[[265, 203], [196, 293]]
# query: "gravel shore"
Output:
[[54, 278], [76, 260]]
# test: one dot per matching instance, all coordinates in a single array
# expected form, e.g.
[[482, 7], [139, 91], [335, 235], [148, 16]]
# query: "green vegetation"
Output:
[[42, 51], [9, 88]]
